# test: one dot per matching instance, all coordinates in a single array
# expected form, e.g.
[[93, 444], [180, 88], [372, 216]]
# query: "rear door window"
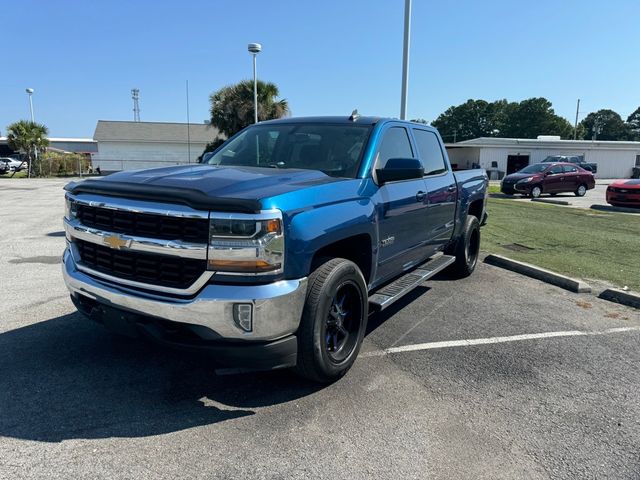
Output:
[[570, 169], [430, 152]]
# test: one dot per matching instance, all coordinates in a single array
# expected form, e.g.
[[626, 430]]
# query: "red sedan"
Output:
[[624, 193], [552, 178]]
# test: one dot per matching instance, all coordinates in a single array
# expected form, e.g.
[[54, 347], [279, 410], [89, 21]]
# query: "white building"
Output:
[[614, 159], [124, 145]]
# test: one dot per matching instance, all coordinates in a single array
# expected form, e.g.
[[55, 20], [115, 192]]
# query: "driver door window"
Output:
[[395, 144]]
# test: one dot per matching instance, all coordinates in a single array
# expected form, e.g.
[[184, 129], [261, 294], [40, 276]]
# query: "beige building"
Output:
[[614, 159], [125, 145]]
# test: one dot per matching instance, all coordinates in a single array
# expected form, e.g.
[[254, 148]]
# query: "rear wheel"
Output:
[[581, 190], [333, 322], [466, 249]]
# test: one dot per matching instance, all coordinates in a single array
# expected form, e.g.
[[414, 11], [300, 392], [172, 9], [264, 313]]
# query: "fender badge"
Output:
[[385, 242], [115, 241]]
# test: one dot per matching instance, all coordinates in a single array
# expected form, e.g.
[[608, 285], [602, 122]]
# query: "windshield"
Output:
[[333, 149], [535, 168]]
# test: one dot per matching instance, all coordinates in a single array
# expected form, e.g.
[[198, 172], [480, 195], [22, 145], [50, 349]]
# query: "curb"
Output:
[[610, 208], [553, 202], [538, 273], [621, 296]]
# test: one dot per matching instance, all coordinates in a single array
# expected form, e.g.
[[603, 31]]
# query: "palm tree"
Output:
[[232, 106], [28, 138]]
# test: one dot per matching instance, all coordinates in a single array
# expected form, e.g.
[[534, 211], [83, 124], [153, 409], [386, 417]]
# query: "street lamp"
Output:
[[405, 59], [30, 92], [255, 49]]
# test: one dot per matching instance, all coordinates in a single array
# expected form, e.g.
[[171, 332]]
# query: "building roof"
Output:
[[543, 143], [125, 131]]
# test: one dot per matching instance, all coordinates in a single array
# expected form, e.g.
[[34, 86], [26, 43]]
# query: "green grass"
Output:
[[494, 188], [579, 243], [20, 174]]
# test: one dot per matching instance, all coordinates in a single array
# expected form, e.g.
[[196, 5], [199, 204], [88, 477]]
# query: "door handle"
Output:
[[451, 189], [420, 196]]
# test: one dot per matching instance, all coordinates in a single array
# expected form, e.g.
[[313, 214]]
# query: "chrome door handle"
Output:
[[451, 189], [420, 196]]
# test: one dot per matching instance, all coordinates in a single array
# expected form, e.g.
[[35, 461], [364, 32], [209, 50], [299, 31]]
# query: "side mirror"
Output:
[[400, 169]]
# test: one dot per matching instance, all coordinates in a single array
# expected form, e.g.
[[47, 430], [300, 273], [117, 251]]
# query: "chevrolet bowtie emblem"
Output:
[[115, 241]]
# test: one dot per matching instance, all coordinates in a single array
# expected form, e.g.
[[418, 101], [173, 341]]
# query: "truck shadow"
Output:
[[66, 378]]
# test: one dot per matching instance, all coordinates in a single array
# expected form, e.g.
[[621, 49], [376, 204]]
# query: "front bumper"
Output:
[[277, 307], [629, 198], [513, 188]]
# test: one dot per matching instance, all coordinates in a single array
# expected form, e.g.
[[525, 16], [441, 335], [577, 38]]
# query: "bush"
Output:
[[61, 164]]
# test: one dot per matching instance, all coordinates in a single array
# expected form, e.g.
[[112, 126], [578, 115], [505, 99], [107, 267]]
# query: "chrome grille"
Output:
[[163, 270], [144, 224]]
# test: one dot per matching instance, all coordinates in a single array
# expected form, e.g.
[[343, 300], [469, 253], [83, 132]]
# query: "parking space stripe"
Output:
[[491, 340]]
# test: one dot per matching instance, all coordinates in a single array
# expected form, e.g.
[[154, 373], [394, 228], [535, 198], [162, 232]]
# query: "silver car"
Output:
[[13, 164]]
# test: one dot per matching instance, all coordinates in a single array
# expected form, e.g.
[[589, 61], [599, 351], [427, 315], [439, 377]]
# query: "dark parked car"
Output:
[[575, 159], [624, 193], [552, 178], [4, 167]]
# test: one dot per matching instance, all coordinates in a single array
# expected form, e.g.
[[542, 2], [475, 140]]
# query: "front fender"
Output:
[[311, 230]]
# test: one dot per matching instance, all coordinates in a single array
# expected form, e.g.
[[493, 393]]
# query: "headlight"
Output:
[[70, 208], [246, 244], [525, 180]]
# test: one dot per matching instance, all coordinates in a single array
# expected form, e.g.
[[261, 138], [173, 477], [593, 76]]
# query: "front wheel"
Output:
[[333, 322], [581, 190], [536, 191], [466, 249]]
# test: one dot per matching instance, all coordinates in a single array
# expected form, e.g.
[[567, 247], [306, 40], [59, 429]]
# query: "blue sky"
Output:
[[327, 57]]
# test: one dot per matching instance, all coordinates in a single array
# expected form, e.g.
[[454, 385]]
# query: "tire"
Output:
[[334, 320], [536, 191], [466, 249], [581, 190]]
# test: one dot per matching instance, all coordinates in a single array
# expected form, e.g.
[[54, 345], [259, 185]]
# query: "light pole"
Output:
[[255, 49], [30, 93], [405, 59]]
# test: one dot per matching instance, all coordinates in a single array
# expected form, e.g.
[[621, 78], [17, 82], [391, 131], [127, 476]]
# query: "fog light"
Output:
[[243, 316]]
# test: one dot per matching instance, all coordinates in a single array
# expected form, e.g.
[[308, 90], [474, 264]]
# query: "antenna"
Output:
[[135, 95]]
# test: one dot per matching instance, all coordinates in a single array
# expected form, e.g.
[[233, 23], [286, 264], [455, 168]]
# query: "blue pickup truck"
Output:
[[275, 251]]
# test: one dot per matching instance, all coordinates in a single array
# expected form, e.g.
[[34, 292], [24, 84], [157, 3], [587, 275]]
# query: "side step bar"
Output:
[[398, 288]]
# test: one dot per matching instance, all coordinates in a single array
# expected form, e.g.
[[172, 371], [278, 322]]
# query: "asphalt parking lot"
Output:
[[494, 376]]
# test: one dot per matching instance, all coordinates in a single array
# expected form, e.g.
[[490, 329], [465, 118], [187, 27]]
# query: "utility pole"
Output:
[[575, 126], [188, 128], [405, 59]]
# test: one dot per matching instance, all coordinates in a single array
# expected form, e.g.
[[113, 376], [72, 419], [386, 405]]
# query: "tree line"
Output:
[[528, 119]]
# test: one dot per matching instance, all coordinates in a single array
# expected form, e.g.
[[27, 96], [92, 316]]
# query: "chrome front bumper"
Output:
[[277, 307]]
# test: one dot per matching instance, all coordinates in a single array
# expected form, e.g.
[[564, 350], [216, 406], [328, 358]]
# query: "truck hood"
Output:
[[204, 186]]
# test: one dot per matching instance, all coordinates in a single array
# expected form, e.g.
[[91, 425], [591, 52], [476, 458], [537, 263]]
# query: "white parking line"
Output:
[[487, 341]]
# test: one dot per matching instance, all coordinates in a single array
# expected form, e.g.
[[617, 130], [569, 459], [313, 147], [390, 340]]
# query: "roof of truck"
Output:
[[327, 119], [359, 120]]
